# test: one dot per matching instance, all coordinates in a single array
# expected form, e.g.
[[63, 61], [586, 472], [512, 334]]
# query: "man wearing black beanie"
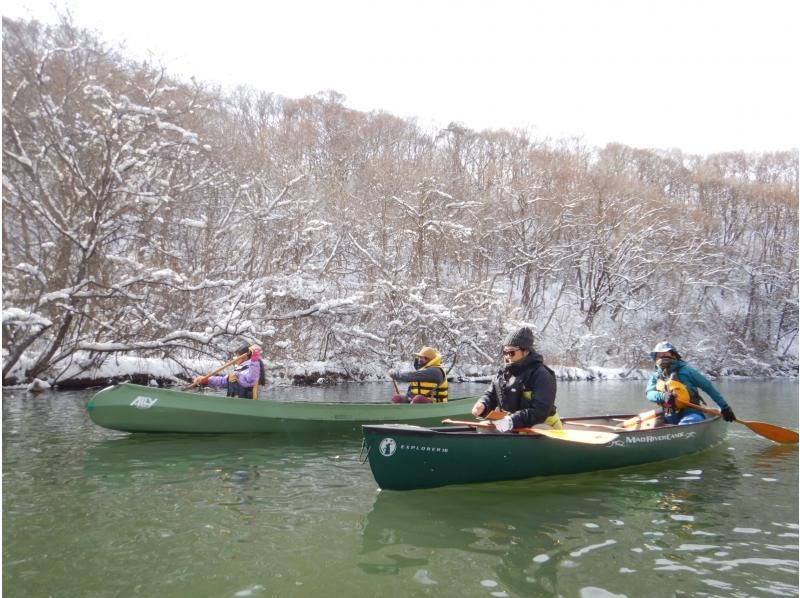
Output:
[[524, 388]]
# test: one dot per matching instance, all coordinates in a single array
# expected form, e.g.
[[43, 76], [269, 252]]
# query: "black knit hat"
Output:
[[522, 338]]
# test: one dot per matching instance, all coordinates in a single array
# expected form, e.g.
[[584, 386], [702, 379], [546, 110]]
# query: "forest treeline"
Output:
[[163, 218]]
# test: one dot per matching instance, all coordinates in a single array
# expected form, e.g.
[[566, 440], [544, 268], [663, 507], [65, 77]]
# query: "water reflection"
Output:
[[175, 453], [186, 515], [775, 456], [533, 536]]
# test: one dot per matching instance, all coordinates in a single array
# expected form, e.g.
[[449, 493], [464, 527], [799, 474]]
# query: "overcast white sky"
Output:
[[700, 75]]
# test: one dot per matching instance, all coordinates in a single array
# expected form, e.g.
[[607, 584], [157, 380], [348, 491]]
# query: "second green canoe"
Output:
[[134, 408]]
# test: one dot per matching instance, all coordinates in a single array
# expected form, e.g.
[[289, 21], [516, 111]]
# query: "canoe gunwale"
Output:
[[400, 429]]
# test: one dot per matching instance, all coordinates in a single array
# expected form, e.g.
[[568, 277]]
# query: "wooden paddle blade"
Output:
[[496, 414], [583, 436], [771, 431]]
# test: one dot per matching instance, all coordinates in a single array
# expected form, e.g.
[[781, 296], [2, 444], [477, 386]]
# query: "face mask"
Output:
[[418, 363], [664, 362]]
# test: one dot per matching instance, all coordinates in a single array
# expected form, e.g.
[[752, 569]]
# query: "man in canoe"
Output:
[[427, 381], [670, 366], [243, 381], [525, 388]]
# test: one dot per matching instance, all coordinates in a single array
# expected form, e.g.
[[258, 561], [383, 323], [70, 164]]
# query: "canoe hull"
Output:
[[410, 457], [134, 408]]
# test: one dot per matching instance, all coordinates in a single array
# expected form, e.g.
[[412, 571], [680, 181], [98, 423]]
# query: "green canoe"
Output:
[[407, 457], [135, 408]]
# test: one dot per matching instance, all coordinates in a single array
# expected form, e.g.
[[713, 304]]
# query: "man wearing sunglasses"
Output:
[[524, 388]]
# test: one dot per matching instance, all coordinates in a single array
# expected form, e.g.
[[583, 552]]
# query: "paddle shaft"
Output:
[[581, 436], [234, 361], [496, 414], [771, 431], [585, 425]]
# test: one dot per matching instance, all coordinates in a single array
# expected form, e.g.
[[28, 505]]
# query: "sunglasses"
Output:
[[510, 352]]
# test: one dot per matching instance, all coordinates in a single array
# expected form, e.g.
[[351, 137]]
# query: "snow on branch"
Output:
[[20, 317], [350, 305]]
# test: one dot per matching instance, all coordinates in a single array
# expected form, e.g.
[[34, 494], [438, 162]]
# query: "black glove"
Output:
[[668, 401], [728, 415]]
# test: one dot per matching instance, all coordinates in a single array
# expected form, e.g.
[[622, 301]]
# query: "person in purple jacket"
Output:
[[244, 377]]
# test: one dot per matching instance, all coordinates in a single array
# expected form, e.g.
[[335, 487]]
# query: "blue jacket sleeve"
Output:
[[653, 395], [704, 384]]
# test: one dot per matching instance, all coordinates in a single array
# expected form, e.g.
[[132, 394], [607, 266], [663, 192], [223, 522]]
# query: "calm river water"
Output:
[[89, 512]]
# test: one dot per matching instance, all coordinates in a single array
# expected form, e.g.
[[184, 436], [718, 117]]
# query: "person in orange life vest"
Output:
[[244, 378], [669, 365], [524, 387], [427, 381]]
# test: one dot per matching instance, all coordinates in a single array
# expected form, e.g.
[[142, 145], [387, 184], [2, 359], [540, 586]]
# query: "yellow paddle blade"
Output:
[[583, 436]]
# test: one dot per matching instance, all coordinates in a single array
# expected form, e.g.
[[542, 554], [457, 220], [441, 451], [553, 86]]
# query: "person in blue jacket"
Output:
[[670, 366]]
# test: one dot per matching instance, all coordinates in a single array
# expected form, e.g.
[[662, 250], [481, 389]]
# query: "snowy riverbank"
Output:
[[156, 372]]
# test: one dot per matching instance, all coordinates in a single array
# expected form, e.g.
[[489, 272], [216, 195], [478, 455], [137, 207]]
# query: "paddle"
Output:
[[234, 361], [582, 436], [771, 431], [646, 420], [396, 397], [585, 425]]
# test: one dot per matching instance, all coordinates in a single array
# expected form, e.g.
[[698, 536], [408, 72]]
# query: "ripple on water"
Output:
[[682, 517], [786, 565], [249, 591], [717, 584], [594, 592], [590, 548], [696, 547], [424, 577], [668, 565]]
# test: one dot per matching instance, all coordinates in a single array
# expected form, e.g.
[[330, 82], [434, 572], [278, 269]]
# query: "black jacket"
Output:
[[527, 389]]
